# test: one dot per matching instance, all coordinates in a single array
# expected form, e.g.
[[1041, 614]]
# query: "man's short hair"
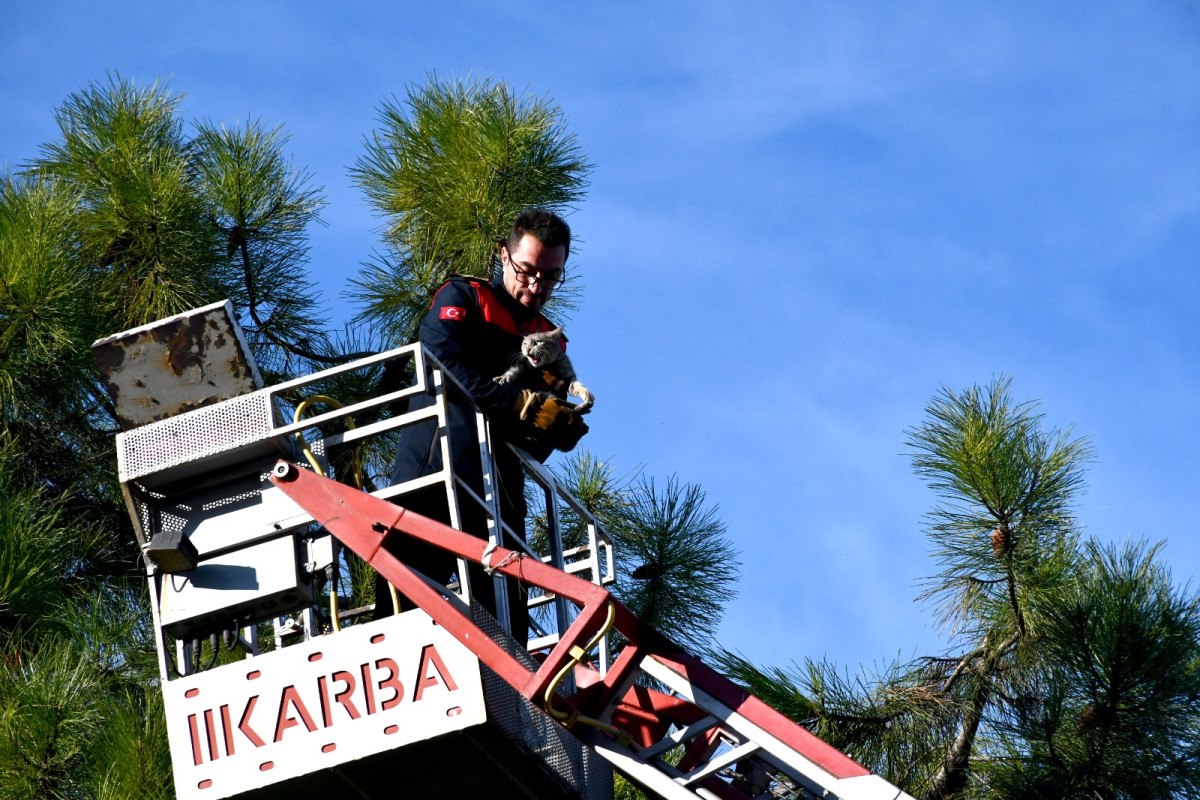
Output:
[[547, 227]]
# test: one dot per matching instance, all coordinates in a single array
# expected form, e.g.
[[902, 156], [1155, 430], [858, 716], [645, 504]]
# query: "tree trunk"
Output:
[[951, 778]]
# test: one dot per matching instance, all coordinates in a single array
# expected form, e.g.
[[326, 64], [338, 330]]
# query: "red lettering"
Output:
[[197, 756], [430, 658], [344, 696], [326, 711], [382, 690], [244, 724], [291, 700], [368, 688], [392, 681], [227, 727], [213, 752]]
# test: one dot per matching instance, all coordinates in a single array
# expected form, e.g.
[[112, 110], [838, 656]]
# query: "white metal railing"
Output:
[[591, 557]]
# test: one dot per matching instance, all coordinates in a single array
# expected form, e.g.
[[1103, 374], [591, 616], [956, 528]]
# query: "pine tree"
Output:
[[449, 169], [678, 567], [129, 216], [122, 220], [1073, 669]]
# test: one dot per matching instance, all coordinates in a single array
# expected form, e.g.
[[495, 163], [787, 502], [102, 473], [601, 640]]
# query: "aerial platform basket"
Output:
[[390, 708], [384, 708]]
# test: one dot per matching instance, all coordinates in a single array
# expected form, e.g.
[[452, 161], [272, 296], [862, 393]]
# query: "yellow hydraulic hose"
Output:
[[308, 453], [358, 482], [569, 718]]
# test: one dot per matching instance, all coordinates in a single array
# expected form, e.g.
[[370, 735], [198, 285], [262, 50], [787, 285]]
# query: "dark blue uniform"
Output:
[[474, 329]]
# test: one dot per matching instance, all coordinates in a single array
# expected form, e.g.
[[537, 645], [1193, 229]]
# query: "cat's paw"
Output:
[[577, 389]]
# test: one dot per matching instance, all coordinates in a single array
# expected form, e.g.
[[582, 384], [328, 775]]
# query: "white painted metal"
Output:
[[806, 777], [252, 583], [374, 687]]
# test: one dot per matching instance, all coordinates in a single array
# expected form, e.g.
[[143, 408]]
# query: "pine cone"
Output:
[[646, 572], [1092, 717], [1087, 718], [1001, 542]]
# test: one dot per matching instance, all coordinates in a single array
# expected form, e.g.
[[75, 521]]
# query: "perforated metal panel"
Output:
[[199, 441]]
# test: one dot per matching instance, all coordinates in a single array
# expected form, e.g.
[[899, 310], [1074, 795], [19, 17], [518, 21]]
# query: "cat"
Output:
[[546, 352]]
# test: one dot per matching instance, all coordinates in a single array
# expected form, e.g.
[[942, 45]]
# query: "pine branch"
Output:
[[450, 167], [264, 327], [960, 669]]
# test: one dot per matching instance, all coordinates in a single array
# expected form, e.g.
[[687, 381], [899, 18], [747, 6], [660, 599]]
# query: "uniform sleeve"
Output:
[[451, 331]]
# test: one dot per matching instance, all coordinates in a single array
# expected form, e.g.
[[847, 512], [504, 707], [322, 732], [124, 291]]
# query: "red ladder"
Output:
[[734, 747]]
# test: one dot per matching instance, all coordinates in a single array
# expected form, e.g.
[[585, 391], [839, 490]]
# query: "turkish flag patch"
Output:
[[452, 312]]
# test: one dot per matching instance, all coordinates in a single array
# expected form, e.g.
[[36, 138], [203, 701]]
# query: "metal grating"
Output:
[[225, 429], [575, 766]]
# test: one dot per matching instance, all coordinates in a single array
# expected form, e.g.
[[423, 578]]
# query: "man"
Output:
[[475, 329]]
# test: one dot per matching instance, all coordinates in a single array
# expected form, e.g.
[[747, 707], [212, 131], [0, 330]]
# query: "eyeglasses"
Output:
[[528, 277]]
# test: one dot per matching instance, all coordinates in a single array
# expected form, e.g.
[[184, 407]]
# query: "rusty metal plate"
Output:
[[177, 364]]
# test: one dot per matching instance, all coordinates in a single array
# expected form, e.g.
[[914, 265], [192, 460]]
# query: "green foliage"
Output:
[[451, 166], [591, 481], [1075, 671], [49, 717], [1003, 533], [39, 547], [677, 567], [66, 732], [594, 485], [40, 318], [112, 630], [144, 233], [1121, 662], [624, 790], [132, 760], [682, 567], [31, 579], [261, 208], [161, 223], [888, 720]]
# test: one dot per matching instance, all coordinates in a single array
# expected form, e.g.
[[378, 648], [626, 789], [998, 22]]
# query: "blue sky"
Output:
[[805, 219]]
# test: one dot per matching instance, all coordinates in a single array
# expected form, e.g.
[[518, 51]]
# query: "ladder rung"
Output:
[[720, 762], [679, 737]]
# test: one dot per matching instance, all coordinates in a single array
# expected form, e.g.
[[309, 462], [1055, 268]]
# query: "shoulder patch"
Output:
[[452, 312]]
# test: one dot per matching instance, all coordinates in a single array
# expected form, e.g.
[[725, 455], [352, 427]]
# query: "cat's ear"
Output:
[[557, 333]]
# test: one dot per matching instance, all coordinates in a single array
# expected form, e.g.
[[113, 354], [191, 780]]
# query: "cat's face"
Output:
[[542, 348]]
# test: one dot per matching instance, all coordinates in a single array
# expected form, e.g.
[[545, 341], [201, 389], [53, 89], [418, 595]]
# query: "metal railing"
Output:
[[204, 472]]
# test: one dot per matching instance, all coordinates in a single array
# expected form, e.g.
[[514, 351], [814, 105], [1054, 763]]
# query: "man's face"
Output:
[[532, 270]]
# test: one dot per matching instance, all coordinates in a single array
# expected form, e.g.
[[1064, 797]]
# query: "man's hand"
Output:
[[550, 420]]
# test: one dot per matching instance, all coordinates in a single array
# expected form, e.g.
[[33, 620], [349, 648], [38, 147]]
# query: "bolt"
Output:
[[285, 471]]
